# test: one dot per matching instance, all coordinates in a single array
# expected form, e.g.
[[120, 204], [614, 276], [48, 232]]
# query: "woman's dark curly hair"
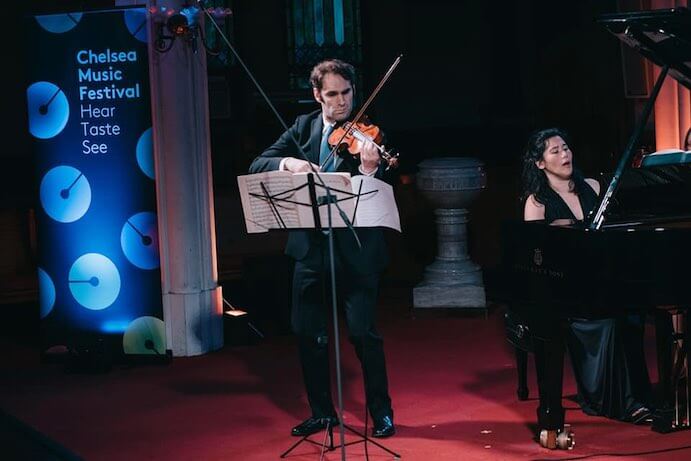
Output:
[[534, 179]]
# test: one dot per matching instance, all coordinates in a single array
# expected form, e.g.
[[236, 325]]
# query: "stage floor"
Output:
[[452, 380]]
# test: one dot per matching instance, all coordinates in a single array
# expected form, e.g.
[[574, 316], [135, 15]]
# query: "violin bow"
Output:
[[367, 103]]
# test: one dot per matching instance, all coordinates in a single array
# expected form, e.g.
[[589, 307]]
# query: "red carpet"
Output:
[[452, 383]]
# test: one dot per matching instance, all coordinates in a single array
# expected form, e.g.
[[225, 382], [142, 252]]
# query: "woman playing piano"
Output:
[[606, 354]]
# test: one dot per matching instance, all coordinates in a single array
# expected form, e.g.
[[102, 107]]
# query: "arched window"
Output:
[[321, 29]]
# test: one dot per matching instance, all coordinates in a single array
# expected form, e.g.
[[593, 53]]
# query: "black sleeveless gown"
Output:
[[606, 354]]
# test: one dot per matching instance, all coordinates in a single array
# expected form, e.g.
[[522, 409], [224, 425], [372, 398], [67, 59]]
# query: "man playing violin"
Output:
[[358, 268]]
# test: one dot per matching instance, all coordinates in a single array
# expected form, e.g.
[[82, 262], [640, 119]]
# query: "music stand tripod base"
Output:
[[332, 447], [325, 447]]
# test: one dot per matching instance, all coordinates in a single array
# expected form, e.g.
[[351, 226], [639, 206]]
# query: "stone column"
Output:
[[452, 280], [192, 299]]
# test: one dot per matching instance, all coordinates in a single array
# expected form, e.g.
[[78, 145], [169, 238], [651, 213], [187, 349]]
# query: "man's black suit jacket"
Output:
[[302, 244]]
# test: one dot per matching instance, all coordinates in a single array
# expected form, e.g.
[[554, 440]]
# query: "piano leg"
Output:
[[684, 375], [549, 364], [663, 420], [673, 344], [522, 369]]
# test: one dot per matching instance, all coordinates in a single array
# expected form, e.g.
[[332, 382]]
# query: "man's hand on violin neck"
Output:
[[295, 165], [369, 157]]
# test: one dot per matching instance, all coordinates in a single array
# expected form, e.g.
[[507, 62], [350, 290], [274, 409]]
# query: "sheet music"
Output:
[[377, 208], [341, 190], [281, 200], [260, 216]]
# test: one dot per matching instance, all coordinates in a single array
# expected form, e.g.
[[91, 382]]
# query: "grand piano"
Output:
[[633, 252]]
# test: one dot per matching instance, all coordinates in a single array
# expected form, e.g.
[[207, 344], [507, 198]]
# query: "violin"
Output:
[[351, 136]]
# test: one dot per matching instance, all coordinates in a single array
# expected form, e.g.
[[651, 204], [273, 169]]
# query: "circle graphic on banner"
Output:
[[145, 154], [145, 335], [48, 109], [46, 293], [139, 240], [65, 193], [135, 20], [59, 23], [94, 281]]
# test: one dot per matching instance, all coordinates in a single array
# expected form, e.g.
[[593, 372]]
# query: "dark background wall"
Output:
[[476, 78]]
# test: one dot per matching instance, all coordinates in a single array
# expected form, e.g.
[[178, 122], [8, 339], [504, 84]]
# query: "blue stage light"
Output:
[[114, 326]]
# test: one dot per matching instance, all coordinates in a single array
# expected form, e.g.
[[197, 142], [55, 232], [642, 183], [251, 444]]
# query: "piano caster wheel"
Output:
[[562, 440], [566, 440]]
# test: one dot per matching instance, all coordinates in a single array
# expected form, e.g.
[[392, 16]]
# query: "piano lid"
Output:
[[657, 193], [662, 36]]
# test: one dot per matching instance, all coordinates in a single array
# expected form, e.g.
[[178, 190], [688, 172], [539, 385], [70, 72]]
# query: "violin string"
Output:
[[360, 136], [386, 155]]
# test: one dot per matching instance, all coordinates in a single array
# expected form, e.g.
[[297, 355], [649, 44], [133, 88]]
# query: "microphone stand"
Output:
[[332, 269]]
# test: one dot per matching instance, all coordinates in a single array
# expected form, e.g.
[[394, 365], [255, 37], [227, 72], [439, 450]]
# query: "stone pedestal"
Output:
[[452, 280]]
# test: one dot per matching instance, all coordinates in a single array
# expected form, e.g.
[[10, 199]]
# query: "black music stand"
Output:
[[315, 201]]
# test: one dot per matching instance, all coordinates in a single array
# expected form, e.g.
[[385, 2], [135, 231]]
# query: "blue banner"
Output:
[[89, 111]]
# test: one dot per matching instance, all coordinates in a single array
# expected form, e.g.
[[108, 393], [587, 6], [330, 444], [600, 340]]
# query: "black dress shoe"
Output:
[[312, 425], [642, 416], [383, 427]]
